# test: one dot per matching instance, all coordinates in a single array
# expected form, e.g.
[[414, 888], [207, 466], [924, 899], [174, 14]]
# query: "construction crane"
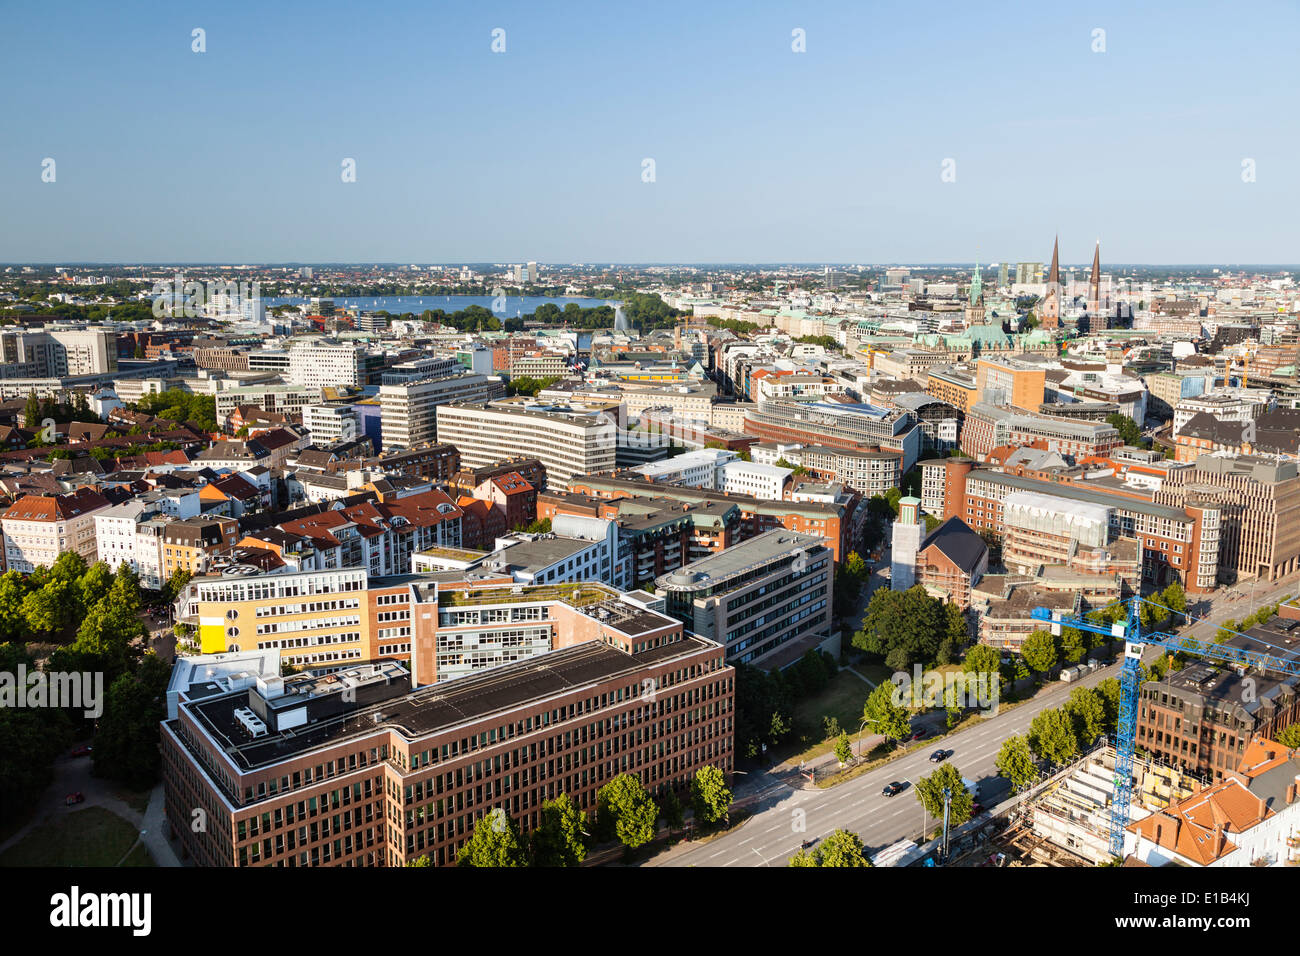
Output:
[[1274, 657], [1245, 369]]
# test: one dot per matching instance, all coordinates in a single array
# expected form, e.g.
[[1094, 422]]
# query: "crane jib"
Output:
[[1135, 642]]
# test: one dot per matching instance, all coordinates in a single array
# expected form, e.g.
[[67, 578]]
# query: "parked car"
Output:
[[919, 734], [940, 755], [82, 751], [894, 789], [73, 798]]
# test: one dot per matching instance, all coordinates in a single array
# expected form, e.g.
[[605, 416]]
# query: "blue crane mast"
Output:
[[1280, 660]]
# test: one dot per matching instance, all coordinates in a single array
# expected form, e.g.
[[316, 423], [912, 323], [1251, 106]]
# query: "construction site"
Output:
[[1065, 819]]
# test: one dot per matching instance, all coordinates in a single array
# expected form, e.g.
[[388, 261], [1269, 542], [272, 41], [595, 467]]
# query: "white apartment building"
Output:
[[730, 415], [87, 351], [795, 388], [408, 410], [868, 472], [684, 401], [751, 478], [284, 399], [115, 532], [1225, 405], [567, 442], [578, 549], [770, 452], [56, 353], [325, 362], [694, 469], [329, 424], [132, 533]]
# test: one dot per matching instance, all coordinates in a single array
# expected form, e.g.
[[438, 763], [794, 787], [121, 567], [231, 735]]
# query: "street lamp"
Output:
[[865, 721]]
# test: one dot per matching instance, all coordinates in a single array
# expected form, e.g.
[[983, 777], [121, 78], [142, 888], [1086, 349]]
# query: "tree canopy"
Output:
[[1051, 736], [843, 848], [559, 839], [903, 627], [1015, 761], [625, 811], [710, 796], [884, 716], [929, 792], [495, 842]]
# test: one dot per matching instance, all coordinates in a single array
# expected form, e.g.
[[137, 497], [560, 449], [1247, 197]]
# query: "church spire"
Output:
[[1049, 313], [976, 287], [1094, 282]]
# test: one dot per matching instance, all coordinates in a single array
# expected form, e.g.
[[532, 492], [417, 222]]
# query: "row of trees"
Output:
[[527, 385], [105, 453], [1041, 650], [644, 311], [98, 613], [38, 410], [94, 314], [1226, 629], [1128, 429], [738, 326], [64, 600], [625, 812], [765, 699], [1058, 735], [850, 578], [828, 342]]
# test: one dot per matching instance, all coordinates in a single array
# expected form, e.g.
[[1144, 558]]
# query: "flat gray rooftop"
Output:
[[439, 707]]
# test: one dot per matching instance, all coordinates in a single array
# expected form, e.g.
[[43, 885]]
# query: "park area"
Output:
[[90, 837]]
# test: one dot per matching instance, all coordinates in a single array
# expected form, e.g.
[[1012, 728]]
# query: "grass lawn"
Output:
[[90, 837], [842, 699], [876, 673], [135, 799]]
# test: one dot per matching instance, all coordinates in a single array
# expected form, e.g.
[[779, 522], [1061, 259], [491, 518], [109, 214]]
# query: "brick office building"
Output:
[[1259, 500], [368, 766], [1178, 541], [1201, 717]]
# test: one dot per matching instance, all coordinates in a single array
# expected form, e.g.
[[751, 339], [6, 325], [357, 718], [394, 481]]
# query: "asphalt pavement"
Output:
[[786, 815]]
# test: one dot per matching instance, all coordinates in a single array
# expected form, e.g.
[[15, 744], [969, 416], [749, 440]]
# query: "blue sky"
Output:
[[761, 154]]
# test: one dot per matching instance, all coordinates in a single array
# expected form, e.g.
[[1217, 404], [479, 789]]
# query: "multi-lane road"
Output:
[[784, 817]]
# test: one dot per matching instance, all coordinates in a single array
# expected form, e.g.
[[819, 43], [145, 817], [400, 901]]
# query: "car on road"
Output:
[[82, 751], [73, 798], [940, 755], [894, 789]]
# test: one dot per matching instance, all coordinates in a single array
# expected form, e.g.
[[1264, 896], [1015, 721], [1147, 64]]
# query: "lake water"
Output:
[[515, 305]]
